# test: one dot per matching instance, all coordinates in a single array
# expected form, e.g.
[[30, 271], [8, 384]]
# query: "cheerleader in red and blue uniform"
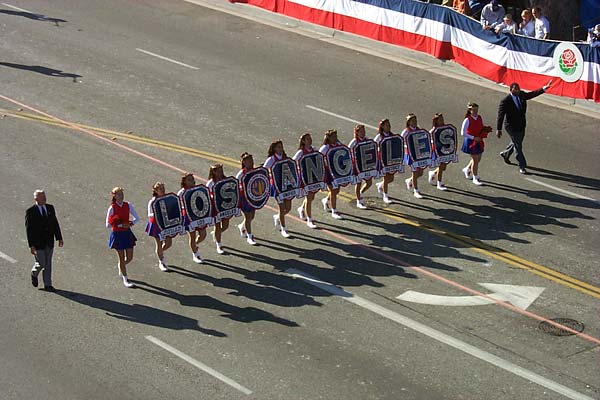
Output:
[[274, 154], [435, 176], [411, 183], [245, 228], [360, 136], [121, 237], [153, 230], [199, 234], [305, 210], [215, 174], [330, 140], [473, 132], [384, 131]]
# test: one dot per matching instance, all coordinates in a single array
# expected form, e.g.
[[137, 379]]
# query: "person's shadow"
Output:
[[36, 17], [138, 313], [42, 70]]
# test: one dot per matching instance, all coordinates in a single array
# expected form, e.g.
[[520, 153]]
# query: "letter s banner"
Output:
[[312, 172], [339, 161], [365, 160], [226, 195], [445, 141], [285, 179], [391, 154], [198, 207], [168, 216], [256, 186], [418, 144]]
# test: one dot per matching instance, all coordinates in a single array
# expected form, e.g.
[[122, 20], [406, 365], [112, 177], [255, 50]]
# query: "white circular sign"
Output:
[[568, 62]]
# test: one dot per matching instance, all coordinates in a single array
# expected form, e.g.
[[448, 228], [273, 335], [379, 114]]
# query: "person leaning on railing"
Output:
[[594, 36], [507, 25], [491, 15], [527, 26]]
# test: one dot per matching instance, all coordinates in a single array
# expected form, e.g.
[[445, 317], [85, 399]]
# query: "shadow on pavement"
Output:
[[36, 17], [583, 181], [246, 314], [139, 313], [42, 70]]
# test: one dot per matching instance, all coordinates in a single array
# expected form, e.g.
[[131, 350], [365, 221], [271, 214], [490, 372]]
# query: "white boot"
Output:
[[431, 176]]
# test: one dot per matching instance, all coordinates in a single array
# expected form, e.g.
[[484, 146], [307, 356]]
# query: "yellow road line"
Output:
[[468, 243]]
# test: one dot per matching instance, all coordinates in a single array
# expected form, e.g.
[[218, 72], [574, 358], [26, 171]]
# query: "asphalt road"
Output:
[[315, 316]]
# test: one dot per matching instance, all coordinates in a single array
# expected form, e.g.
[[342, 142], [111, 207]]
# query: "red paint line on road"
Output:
[[330, 233]]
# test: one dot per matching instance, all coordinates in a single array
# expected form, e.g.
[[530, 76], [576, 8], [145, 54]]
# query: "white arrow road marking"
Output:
[[519, 296], [439, 336]]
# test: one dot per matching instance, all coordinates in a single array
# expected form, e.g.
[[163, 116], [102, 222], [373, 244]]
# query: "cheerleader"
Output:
[[121, 237], [330, 140], [384, 130], [247, 164], [474, 132], [412, 183], [276, 153], [199, 234], [436, 174], [153, 230], [360, 136], [215, 174], [305, 210]]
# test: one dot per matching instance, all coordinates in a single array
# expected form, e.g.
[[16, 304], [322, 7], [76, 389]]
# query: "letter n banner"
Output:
[[168, 216], [312, 172], [226, 194], [198, 207]]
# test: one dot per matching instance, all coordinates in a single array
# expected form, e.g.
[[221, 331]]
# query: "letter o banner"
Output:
[[198, 207], [168, 216], [226, 195], [256, 187]]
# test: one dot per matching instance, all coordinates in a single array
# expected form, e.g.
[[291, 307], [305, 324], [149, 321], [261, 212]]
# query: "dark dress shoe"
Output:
[[34, 280], [49, 289], [505, 158]]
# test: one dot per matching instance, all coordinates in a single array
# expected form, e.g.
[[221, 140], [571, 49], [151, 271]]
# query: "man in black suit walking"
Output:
[[42, 229], [514, 108]]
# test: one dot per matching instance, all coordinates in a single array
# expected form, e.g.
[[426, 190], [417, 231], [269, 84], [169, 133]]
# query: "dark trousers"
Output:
[[43, 261], [516, 145]]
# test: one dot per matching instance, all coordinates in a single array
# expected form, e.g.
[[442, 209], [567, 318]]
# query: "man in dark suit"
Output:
[[514, 108], [42, 229]]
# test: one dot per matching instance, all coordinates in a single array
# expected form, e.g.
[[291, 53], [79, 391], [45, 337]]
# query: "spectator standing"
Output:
[[461, 6], [542, 25], [527, 26], [42, 229], [507, 25], [514, 107], [492, 14], [594, 36]]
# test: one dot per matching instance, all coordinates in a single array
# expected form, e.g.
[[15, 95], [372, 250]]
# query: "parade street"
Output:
[[445, 297]]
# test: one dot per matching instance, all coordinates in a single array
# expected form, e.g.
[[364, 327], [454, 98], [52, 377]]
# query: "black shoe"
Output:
[[49, 289], [34, 280], [505, 158]]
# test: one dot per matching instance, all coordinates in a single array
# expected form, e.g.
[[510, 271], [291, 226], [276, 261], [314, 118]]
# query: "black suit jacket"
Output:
[[41, 231], [515, 117]]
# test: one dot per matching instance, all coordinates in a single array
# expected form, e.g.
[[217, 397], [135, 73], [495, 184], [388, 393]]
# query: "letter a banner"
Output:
[[285, 179], [339, 161], [391, 154], [365, 160], [198, 207], [312, 172], [419, 148], [256, 187], [226, 194], [168, 215], [445, 142]]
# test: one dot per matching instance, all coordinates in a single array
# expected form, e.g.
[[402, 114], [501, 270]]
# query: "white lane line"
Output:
[[439, 336], [17, 8], [560, 190], [340, 116], [167, 59], [200, 365], [7, 258]]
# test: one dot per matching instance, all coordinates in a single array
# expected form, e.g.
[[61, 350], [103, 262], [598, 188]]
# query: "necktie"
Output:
[[518, 102], [44, 213]]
